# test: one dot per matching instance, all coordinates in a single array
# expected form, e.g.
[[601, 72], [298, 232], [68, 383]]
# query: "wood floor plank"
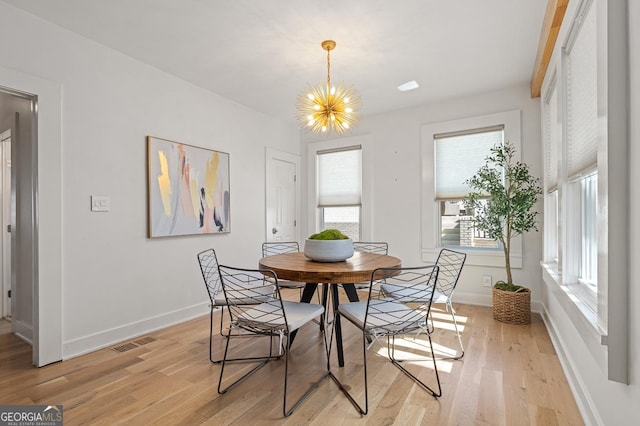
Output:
[[510, 375], [490, 402]]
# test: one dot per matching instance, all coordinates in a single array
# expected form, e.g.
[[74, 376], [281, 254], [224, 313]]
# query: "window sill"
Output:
[[582, 316], [582, 299], [477, 257]]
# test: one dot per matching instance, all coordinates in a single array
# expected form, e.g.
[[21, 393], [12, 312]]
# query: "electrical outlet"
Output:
[[100, 203], [486, 280]]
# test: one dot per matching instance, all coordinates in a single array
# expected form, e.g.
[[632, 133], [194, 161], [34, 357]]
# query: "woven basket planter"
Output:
[[512, 307]]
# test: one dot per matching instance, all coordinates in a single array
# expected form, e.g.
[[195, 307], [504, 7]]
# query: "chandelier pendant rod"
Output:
[[328, 69], [328, 45]]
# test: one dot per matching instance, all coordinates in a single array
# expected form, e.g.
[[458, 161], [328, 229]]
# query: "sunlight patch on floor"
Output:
[[416, 351]]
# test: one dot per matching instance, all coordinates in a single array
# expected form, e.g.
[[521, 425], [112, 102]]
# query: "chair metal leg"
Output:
[[396, 362], [314, 386], [345, 391], [337, 326], [455, 324], [452, 311], [261, 364], [211, 335], [227, 336], [263, 361], [215, 361]]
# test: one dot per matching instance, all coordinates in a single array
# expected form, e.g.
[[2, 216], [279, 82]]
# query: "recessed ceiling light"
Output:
[[409, 85]]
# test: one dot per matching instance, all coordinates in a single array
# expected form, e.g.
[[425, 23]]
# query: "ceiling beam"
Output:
[[550, 29]]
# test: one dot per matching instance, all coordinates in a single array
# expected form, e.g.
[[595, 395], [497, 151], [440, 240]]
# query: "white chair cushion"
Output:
[[220, 299], [259, 294], [407, 293], [269, 315], [298, 314], [439, 297], [290, 284], [384, 313]]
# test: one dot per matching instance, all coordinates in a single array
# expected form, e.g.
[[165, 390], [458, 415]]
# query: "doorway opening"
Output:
[[17, 199], [5, 228]]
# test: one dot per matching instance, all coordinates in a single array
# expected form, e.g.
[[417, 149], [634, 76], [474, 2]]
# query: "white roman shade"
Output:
[[458, 156], [340, 177], [582, 91]]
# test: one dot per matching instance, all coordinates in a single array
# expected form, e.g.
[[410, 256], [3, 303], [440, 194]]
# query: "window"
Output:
[[458, 156], [581, 149], [571, 198], [344, 219], [339, 177], [570, 129], [589, 232], [452, 152]]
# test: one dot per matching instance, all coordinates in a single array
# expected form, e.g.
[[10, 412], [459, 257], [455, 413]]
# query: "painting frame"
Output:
[[188, 189]]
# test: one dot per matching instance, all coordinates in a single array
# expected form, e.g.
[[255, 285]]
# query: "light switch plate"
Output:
[[100, 203]]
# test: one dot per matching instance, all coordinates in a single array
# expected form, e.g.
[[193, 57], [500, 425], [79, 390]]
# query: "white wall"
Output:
[[116, 283], [396, 140]]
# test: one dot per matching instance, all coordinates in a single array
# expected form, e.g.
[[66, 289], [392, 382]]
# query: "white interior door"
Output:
[[282, 195], [5, 221]]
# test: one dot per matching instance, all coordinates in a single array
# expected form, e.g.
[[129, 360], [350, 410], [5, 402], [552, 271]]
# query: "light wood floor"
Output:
[[510, 375], [5, 326]]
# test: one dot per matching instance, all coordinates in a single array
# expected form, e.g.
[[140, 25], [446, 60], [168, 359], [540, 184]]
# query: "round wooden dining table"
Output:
[[298, 267], [356, 269]]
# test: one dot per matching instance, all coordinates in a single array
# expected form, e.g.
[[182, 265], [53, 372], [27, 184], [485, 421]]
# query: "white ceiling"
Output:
[[261, 53]]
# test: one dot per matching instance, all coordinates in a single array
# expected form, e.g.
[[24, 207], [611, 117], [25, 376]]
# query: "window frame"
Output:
[[431, 244], [570, 199], [552, 229], [314, 213]]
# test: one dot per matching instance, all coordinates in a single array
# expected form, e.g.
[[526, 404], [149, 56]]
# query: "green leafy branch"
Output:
[[511, 193]]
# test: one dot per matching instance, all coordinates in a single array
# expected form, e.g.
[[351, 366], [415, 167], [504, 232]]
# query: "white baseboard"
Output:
[[586, 406], [23, 331], [487, 300], [472, 299], [109, 337]]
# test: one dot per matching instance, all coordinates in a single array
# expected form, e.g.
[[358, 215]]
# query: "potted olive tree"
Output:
[[511, 193]]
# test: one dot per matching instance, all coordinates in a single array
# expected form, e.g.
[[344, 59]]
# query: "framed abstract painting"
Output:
[[188, 189]]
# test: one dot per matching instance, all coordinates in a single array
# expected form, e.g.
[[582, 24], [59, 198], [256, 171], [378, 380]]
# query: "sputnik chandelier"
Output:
[[327, 109]]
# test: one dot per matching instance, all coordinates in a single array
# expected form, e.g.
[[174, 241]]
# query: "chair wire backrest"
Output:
[[209, 268], [371, 247], [279, 247], [450, 263], [391, 316], [248, 305]]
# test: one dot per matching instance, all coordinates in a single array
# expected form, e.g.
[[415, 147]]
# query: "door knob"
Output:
[[274, 231]]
